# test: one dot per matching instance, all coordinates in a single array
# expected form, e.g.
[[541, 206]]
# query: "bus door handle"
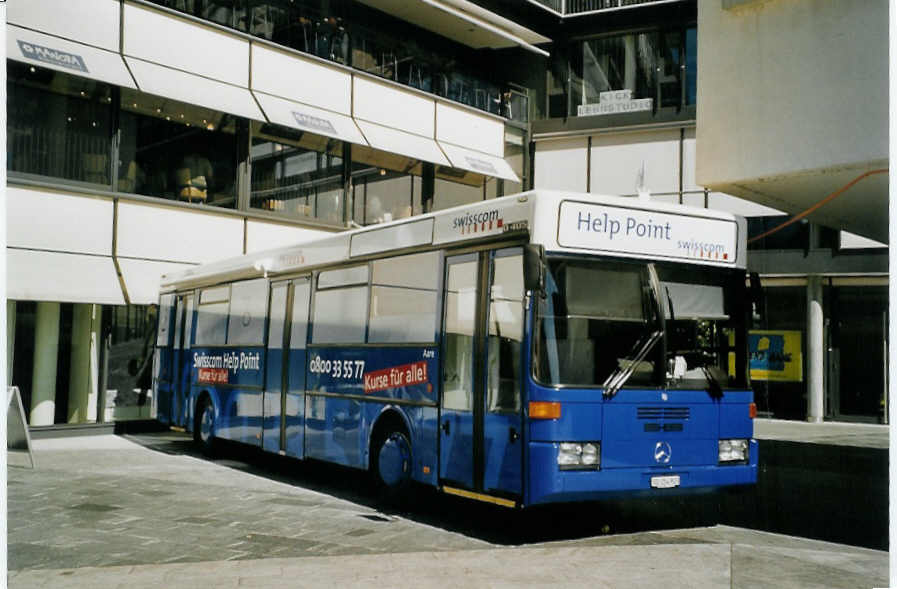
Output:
[[447, 427], [512, 435]]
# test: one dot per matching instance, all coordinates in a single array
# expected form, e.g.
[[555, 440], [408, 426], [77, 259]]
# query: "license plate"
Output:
[[665, 482]]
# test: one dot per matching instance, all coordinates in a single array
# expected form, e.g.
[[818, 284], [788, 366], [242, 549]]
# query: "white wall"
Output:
[[561, 164], [793, 104]]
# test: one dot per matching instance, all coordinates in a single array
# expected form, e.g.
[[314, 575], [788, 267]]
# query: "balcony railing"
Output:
[[577, 7]]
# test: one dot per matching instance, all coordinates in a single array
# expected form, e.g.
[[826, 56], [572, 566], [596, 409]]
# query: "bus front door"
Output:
[[480, 409]]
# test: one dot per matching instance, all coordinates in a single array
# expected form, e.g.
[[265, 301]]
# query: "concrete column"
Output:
[[43, 377], [10, 339], [82, 377], [96, 316], [815, 350]]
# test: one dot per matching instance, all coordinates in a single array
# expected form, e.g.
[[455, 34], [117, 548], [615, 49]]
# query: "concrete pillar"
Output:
[[815, 350], [10, 339], [43, 377], [83, 366]]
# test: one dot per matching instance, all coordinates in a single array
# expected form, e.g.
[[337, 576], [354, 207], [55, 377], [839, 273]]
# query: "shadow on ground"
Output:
[[425, 505]]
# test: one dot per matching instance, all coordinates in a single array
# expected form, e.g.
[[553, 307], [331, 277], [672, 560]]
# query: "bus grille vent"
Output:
[[663, 413]]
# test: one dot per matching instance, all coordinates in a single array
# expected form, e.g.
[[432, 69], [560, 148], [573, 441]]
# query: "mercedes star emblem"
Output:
[[662, 453]]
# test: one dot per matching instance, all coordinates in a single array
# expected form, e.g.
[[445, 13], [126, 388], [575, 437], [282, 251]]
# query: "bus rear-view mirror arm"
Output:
[[534, 268]]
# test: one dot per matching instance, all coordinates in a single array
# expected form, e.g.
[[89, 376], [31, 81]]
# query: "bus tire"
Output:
[[204, 426], [391, 463]]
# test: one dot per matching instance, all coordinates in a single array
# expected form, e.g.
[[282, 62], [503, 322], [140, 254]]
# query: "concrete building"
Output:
[[144, 136]]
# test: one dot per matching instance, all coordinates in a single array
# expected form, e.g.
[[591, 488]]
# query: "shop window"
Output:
[[58, 125], [177, 151], [296, 174]]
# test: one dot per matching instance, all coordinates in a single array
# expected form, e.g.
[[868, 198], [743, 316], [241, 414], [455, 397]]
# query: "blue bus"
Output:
[[535, 348]]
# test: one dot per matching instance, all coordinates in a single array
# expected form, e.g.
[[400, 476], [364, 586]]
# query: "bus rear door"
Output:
[[181, 373], [481, 409], [284, 396]]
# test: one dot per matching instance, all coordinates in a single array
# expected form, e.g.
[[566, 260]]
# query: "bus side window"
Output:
[[403, 299], [505, 333], [460, 305], [211, 316], [248, 307], [340, 308]]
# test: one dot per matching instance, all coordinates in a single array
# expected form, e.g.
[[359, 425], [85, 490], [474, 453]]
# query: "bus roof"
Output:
[[559, 221]]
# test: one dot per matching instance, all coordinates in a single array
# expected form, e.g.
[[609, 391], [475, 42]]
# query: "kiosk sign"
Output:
[[649, 233]]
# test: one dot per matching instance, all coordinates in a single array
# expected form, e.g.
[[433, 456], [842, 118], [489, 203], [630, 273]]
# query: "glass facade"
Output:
[[68, 130], [296, 174], [365, 39], [59, 354], [58, 125], [646, 72], [177, 151]]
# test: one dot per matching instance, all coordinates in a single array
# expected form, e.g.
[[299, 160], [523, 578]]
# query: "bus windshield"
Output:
[[593, 320], [598, 317]]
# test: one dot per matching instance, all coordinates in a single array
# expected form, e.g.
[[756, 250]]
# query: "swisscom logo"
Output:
[[52, 56]]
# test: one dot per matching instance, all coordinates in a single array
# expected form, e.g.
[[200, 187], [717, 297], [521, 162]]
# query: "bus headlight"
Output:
[[579, 455], [733, 451]]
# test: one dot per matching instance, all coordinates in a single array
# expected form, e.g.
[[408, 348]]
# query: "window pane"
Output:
[[505, 334], [402, 315], [343, 277], [164, 317], [340, 315], [299, 331], [177, 326], [188, 326], [177, 151], [296, 173], [691, 65], [58, 125], [388, 197], [278, 316], [248, 307], [460, 305], [414, 271], [211, 324], [620, 293]]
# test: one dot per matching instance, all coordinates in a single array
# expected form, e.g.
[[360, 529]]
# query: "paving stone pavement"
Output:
[[123, 504], [106, 512]]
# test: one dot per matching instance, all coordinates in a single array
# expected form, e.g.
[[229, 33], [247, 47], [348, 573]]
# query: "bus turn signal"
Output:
[[752, 410], [544, 410]]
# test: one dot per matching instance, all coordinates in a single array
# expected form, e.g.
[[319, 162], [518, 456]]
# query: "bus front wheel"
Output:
[[204, 427], [392, 463]]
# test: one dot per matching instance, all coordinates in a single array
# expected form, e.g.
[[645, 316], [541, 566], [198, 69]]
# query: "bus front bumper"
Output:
[[549, 484]]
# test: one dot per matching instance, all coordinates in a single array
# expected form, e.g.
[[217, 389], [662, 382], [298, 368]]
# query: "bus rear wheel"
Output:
[[391, 464], [204, 427]]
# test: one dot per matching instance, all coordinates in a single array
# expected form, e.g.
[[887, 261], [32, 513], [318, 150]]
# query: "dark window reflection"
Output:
[[132, 328], [296, 173], [58, 125], [177, 151]]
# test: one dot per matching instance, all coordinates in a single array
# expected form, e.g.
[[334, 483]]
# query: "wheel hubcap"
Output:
[[394, 463], [205, 424]]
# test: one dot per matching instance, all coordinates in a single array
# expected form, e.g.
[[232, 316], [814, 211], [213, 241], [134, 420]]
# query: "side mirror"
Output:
[[533, 268], [756, 291]]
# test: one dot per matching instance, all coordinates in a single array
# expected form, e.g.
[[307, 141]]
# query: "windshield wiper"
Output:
[[619, 377]]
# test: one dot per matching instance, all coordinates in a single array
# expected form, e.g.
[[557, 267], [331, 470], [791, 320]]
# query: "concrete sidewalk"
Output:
[[107, 512], [834, 433]]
